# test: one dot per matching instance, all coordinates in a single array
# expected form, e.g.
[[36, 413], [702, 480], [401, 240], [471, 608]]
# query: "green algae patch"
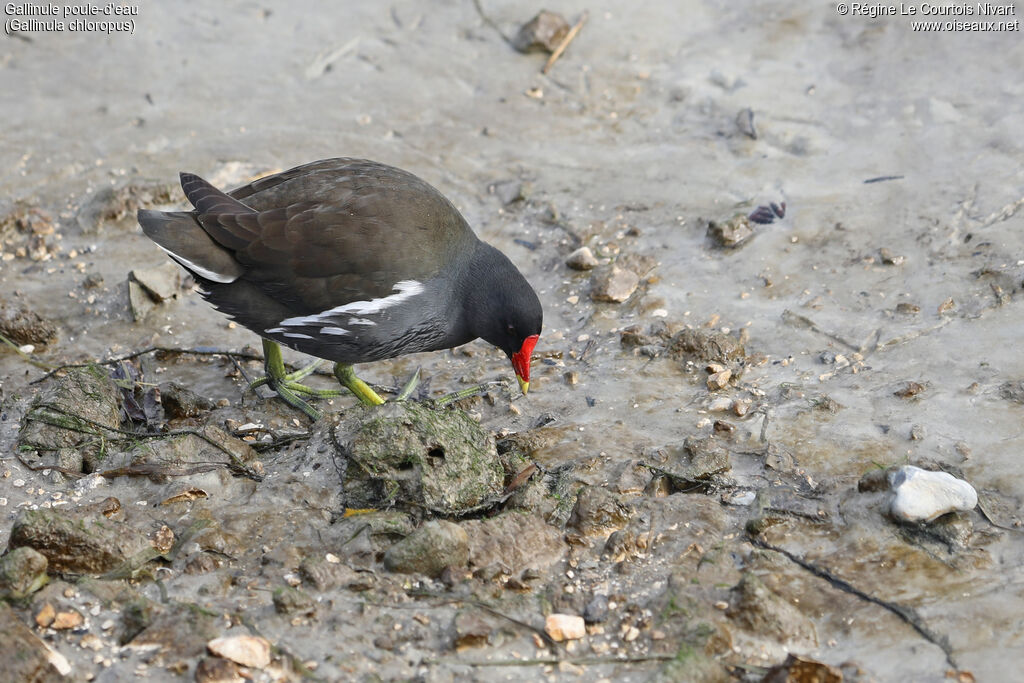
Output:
[[408, 453], [77, 412]]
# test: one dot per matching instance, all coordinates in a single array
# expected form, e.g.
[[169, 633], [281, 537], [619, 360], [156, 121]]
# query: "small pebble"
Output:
[[582, 259], [565, 627], [719, 380]]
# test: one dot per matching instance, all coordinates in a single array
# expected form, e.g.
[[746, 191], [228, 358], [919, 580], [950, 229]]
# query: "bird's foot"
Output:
[[286, 385], [363, 391]]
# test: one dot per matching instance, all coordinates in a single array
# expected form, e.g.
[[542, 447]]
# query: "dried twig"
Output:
[[565, 42]]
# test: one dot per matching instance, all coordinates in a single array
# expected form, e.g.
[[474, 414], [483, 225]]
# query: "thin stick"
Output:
[[151, 349], [565, 42]]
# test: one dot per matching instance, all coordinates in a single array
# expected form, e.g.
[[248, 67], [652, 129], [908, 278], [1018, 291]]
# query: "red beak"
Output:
[[521, 361]]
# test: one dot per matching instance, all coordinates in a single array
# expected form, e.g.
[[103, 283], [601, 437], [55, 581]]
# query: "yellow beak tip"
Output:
[[523, 385]]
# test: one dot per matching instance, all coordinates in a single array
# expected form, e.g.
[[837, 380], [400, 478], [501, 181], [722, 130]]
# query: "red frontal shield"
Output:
[[521, 361]]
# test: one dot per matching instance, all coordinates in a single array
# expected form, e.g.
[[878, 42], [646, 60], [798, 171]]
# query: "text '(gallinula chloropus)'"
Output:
[[351, 261]]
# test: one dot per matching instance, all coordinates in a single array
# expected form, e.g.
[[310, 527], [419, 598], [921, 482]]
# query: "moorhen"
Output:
[[348, 260]]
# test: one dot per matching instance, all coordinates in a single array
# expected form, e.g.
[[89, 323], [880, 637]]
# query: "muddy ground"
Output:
[[696, 468]]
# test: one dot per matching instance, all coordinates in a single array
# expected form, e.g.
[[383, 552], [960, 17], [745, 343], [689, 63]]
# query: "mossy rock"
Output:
[[72, 412], [407, 453], [77, 542]]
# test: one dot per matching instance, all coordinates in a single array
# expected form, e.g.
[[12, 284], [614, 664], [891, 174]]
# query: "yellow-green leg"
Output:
[[361, 389], [286, 385]]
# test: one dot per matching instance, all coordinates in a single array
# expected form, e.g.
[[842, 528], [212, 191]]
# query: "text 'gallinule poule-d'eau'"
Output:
[[348, 260]]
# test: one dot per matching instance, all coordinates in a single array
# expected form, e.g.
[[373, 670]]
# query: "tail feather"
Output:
[[207, 199], [178, 233]]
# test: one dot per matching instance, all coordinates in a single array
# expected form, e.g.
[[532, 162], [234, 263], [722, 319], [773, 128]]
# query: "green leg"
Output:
[[361, 389], [287, 385]]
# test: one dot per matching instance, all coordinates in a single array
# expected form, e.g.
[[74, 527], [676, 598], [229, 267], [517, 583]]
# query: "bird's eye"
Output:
[[511, 329]]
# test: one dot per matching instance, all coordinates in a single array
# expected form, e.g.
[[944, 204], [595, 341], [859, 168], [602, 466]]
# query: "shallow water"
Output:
[[636, 127]]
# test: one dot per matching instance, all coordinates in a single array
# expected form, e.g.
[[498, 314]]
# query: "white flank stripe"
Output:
[[406, 289], [361, 321], [274, 330], [333, 330], [199, 270], [296, 335]]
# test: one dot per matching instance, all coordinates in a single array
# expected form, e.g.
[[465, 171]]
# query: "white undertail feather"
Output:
[[199, 270]]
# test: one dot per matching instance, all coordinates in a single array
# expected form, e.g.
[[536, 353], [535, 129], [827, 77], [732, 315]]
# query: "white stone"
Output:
[[582, 259], [565, 627], [245, 650], [720, 404], [921, 495]]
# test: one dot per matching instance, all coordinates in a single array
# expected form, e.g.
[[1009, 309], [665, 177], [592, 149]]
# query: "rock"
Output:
[[139, 302], [755, 607], [175, 629], [65, 414], [596, 610], [323, 575], [65, 621], [614, 285], [719, 380], [598, 512], [161, 282], [26, 657], [288, 600], [359, 540], [889, 258], [187, 450], [631, 477], [22, 572], [93, 281], [217, 670], [921, 495], [544, 32], [514, 540], [1012, 391], [181, 402], [23, 326], [799, 669], [428, 550], [246, 650], [45, 616], [906, 308], [438, 460], [510, 191], [565, 627], [81, 542], [706, 346], [582, 259], [739, 497], [745, 123], [720, 404], [698, 460], [909, 390], [471, 629], [732, 233]]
